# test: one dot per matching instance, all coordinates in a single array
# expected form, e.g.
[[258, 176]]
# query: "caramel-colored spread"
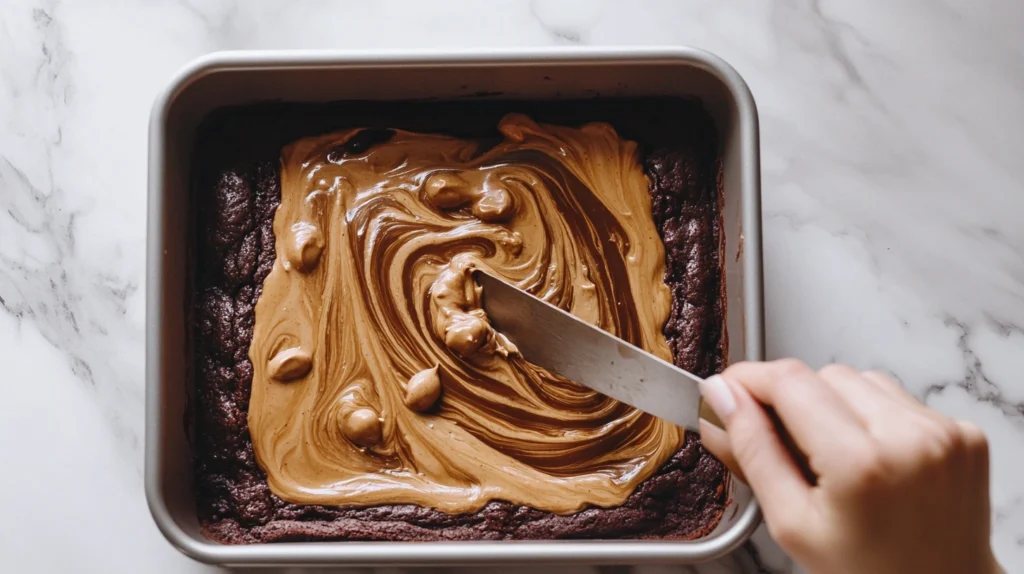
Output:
[[377, 378]]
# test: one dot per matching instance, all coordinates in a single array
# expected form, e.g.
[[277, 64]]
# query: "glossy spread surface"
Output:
[[377, 378]]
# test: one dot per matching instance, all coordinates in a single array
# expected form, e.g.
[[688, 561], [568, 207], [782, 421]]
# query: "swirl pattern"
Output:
[[377, 377]]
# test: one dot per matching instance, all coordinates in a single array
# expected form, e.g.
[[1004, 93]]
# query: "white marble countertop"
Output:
[[892, 134]]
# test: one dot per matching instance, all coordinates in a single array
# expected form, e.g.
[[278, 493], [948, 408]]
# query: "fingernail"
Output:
[[718, 396]]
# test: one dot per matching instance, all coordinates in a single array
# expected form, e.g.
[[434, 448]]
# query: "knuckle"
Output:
[[743, 369], [947, 439], [935, 445], [836, 370], [885, 381], [739, 367], [974, 438], [881, 376], [952, 435], [792, 367], [868, 470]]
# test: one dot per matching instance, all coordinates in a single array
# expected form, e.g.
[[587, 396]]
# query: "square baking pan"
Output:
[[231, 79]]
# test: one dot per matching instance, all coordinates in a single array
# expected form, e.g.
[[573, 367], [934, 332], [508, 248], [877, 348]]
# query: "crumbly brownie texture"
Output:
[[236, 190]]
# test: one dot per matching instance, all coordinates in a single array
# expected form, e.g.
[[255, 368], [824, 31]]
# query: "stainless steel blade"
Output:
[[556, 340]]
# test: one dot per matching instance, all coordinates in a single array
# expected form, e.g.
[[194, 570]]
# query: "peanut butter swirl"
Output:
[[377, 378]]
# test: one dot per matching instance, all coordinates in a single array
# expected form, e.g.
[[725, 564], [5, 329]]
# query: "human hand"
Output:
[[880, 483]]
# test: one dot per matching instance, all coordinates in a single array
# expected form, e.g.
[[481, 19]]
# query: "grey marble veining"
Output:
[[891, 138]]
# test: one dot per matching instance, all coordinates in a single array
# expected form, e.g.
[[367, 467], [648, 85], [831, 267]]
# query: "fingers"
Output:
[[888, 385], [755, 448], [919, 412], [716, 440], [870, 402], [819, 420]]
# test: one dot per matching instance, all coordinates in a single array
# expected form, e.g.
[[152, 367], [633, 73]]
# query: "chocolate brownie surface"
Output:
[[235, 193]]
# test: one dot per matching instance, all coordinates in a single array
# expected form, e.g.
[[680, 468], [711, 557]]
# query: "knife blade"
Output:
[[565, 345]]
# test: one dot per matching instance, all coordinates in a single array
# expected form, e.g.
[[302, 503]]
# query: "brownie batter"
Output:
[[236, 192]]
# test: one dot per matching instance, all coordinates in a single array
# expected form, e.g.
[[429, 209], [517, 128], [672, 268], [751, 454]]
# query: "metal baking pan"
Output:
[[229, 79]]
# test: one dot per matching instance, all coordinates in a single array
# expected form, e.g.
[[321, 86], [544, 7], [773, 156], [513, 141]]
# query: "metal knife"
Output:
[[565, 345]]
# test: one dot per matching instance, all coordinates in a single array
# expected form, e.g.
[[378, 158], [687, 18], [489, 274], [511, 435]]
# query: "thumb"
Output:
[[756, 447]]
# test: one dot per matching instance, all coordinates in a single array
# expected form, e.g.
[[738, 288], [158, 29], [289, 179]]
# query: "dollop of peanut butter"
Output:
[[371, 300], [423, 390], [363, 427]]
